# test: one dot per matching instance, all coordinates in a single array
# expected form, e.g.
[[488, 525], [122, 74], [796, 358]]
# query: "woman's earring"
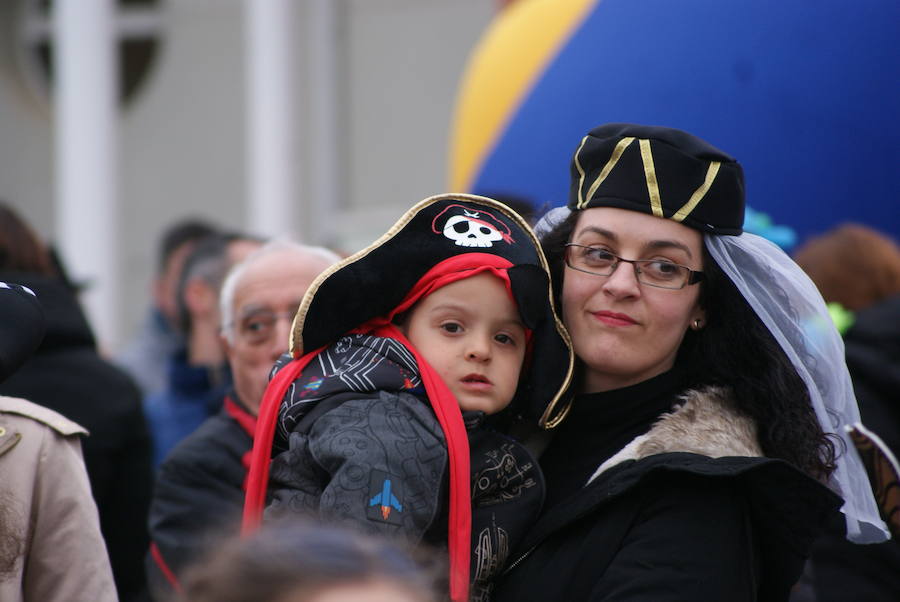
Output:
[[697, 324]]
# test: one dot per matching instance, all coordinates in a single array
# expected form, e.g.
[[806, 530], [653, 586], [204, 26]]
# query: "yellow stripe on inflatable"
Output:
[[506, 63]]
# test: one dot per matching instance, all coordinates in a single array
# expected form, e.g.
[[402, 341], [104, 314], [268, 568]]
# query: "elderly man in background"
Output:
[[199, 491]]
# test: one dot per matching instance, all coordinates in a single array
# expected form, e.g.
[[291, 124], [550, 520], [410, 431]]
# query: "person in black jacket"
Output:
[[66, 374], [859, 268], [199, 494], [689, 462], [840, 570]]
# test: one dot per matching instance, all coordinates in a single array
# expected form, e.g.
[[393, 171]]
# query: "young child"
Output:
[[417, 349]]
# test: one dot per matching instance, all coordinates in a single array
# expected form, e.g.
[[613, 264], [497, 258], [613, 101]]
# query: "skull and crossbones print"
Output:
[[477, 229]]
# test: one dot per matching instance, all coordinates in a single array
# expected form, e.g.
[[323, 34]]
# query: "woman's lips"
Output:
[[611, 318]]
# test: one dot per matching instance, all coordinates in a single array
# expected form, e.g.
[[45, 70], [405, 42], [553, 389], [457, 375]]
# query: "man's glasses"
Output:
[[258, 326], [652, 272]]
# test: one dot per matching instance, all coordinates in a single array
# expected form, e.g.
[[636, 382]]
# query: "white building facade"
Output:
[[319, 119]]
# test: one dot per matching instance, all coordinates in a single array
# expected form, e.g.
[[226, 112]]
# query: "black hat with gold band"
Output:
[[661, 171]]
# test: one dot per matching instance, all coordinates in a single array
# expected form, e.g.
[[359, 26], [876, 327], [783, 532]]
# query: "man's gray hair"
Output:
[[229, 287]]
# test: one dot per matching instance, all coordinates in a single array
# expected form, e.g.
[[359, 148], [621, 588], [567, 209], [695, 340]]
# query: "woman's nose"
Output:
[[623, 282]]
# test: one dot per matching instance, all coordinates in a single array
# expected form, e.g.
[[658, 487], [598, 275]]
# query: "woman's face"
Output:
[[624, 331]]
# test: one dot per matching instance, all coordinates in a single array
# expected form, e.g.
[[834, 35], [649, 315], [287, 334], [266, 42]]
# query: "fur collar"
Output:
[[707, 423]]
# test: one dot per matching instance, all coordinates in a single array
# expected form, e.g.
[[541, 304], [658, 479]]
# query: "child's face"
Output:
[[470, 332]]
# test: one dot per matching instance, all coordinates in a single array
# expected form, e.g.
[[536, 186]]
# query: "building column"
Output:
[[86, 183], [325, 131], [272, 165]]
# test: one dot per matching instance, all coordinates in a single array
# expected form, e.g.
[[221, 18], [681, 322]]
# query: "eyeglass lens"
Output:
[[601, 262]]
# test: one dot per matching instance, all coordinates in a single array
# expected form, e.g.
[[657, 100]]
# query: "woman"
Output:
[[693, 455]]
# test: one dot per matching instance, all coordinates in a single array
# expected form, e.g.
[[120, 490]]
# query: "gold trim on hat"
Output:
[[547, 422], [698, 195], [650, 175], [580, 171], [621, 145]]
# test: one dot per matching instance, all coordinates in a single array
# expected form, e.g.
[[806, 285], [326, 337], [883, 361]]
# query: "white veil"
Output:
[[790, 305], [792, 308]]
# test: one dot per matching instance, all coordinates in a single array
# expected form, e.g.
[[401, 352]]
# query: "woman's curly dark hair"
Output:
[[735, 349]]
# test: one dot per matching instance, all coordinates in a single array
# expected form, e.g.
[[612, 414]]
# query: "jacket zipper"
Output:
[[518, 560]]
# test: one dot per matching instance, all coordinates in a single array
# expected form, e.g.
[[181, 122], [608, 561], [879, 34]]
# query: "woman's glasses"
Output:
[[652, 272]]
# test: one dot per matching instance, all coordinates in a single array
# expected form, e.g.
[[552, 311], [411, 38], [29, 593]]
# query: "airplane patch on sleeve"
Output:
[[385, 495]]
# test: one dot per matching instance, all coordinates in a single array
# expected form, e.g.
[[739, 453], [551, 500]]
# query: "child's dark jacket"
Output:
[[357, 441]]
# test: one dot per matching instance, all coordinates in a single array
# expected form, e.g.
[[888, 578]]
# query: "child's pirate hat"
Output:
[[373, 282]]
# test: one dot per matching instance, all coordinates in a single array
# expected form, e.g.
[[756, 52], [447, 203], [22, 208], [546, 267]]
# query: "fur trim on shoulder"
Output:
[[707, 423]]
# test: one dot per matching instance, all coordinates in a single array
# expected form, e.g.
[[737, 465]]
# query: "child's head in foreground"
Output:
[[308, 563], [464, 279]]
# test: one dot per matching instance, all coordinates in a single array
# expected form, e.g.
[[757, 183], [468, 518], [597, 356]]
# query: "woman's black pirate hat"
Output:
[[661, 171], [372, 282]]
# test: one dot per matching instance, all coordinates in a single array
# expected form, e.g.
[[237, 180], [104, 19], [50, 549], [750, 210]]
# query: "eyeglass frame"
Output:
[[694, 276]]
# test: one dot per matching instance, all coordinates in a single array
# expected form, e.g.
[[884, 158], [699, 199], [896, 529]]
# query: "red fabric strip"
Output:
[[245, 419], [261, 456], [163, 567], [459, 522], [450, 270]]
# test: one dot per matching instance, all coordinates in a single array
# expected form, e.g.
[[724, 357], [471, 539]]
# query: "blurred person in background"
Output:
[[145, 357], [853, 265], [51, 548], [859, 268], [67, 375], [199, 493], [196, 371], [306, 563]]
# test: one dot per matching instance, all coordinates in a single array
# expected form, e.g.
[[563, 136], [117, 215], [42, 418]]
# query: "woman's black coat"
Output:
[[688, 512]]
